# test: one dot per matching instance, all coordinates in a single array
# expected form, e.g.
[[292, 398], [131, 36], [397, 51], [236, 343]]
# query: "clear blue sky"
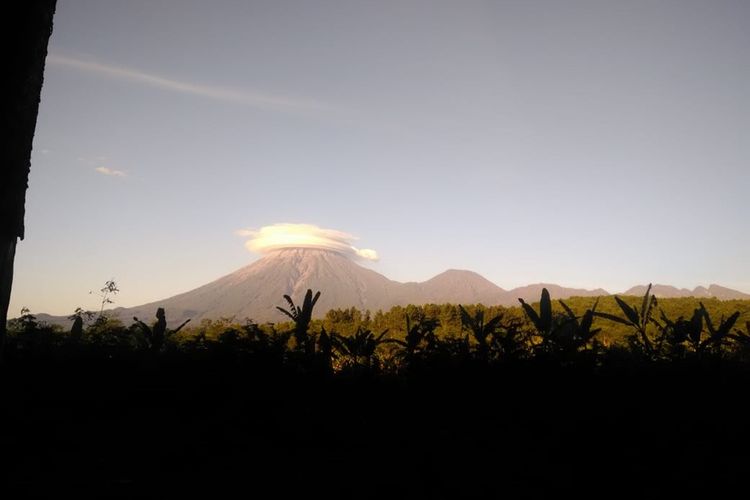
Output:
[[587, 143]]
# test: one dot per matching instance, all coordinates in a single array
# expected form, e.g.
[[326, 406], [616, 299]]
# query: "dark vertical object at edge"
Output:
[[26, 28]]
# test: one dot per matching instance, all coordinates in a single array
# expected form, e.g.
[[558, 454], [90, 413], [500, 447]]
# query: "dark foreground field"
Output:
[[170, 427]]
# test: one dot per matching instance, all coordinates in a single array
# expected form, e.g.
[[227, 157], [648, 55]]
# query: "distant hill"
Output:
[[531, 293], [667, 291], [455, 286]]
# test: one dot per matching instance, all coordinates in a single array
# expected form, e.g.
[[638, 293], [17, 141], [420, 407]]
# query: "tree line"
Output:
[[578, 330]]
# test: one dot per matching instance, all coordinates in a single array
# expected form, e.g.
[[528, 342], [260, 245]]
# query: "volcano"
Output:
[[255, 290]]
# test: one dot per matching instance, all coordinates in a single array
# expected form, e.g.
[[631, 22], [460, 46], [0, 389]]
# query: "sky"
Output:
[[585, 143]]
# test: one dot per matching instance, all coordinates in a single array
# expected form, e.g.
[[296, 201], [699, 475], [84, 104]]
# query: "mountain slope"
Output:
[[255, 290]]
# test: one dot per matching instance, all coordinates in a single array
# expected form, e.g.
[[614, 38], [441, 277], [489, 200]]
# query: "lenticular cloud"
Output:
[[277, 236]]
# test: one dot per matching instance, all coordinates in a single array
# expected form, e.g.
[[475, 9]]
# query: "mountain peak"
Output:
[[292, 252], [724, 293], [460, 286], [453, 270]]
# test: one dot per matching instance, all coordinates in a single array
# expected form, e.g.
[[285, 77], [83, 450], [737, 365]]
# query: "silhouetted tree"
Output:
[[742, 342], [105, 293], [301, 317], [76, 330], [157, 334], [562, 337], [359, 349], [640, 322], [479, 329], [575, 333], [420, 340], [716, 335]]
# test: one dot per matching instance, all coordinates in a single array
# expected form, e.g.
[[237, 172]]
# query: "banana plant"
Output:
[[575, 333], [543, 319], [639, 321], [742, 340], [716, 335], [420, 339], [301, 316], [360, 349], [691, 332], [510, 341], [480, 330], [157, 334], [742, 337], [679, 332], [561, 336]]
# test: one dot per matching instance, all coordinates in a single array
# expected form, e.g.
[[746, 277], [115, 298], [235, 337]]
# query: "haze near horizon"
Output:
[[589, 144]]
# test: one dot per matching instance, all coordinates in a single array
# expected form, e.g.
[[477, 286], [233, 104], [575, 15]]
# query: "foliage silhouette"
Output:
[[716, 336], [428, 337], [689, 336], [359, 350], [543, 320], [420, 342], [158, 334], [480, 330], [27, 321], [453, 374], [561, 337], [742, 342], [301, 316], [642, 341], [681, 333], [105, 293], [78, 317], [575, 333]]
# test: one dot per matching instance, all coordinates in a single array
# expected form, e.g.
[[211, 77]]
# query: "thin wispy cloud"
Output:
[[111, 172], [239, 96]]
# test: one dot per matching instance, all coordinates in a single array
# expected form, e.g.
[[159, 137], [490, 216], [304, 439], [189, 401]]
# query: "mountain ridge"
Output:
[[255, 290], [669, 291]]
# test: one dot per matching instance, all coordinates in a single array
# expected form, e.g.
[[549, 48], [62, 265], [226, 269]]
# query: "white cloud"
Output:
[[240, 96], [110, 171], [277, 236]]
